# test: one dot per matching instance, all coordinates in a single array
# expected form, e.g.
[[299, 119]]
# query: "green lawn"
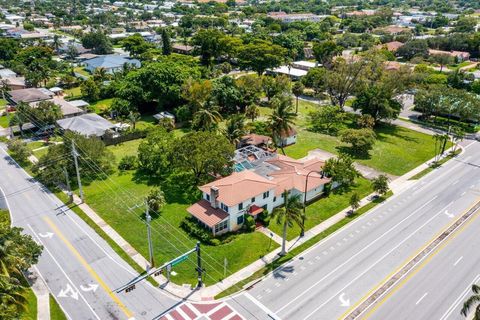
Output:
[[56, 312], [396, 151], [326, 207], [3, 102], [73, 92], [112, 197], [4, 121], [30, 312], [101, 106], [82, 71]]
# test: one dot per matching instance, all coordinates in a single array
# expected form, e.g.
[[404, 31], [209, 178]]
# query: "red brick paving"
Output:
[[203, 311], [221, 313], [188, 311]]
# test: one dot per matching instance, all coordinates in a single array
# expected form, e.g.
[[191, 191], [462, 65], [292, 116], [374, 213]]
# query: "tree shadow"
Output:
[[284, 272], [384, 130], [355, 155]]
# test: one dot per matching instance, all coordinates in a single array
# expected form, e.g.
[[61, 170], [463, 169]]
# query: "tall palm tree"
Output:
[[473, 302], [288, 215], [282, 119], [252, 111], [11, 295], [100, 74], [206, 119], [56, 43], [235, 128]]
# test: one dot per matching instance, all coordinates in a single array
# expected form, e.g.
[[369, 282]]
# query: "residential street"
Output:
[[330, 278], [79, 267]]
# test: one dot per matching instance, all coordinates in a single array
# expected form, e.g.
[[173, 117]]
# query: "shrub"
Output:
[[155, 199], [249, 224], [128, 163], [192, 228]]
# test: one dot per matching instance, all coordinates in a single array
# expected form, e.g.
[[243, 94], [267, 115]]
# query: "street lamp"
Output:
[[302, 232]]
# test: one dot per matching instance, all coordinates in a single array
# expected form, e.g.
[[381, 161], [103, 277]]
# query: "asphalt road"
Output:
[[328, 280], [438, 286], [79, 267]]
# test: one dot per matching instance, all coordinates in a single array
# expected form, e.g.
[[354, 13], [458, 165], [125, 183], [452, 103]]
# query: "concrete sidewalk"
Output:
[[42, 293]]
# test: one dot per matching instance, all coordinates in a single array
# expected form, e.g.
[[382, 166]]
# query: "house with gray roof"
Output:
[[89, 124], [111, 63]]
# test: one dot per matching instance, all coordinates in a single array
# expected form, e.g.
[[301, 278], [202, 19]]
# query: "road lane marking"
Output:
[[463, 193], [261, 306], [357, 254], [455, 182], [90, 270], [421, 298], [45, 235], [459, 300], [456, 262], [63, 271], [423, 262]]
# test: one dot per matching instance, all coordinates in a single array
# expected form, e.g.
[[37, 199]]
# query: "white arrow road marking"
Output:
[[91, 287], [344, 302], [448, 214], [46, 235], [69, 289]]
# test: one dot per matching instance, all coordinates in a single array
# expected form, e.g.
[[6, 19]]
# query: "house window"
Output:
[[274, 199], [240, 206], [207, 196], [266, 194], [221, 226], [224, 207], [240, 219], [253, 199]]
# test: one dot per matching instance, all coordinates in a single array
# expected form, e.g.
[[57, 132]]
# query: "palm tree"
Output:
[[235, 128], [100, 74], [56, 43], [289, 214], [206, 119], [282, 119], [297, 90], [473, 302], [133, 117], [12, 295], [252, 111]]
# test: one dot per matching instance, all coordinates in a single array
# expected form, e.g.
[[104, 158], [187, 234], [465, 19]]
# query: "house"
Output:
[[393, 30], [288, 138], [28, 95], [295, 17], [164, 114], [391, 46], [226, 201], [458, 55], [182, 48], [89, 124], [111, 63], [293, 73]]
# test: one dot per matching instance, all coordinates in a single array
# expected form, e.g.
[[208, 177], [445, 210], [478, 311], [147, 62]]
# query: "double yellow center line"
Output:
[[90, 270]]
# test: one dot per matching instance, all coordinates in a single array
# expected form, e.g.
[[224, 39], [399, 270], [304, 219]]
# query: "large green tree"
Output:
[[98, 42], [260, 55], [282, 119], [207, 43], [204, 154], [378, 103], [155, 152]]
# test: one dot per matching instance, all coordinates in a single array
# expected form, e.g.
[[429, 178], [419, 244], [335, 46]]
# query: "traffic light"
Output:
[[130, 288]]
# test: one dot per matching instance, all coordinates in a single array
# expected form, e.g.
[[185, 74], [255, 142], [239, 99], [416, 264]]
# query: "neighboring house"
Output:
[[393, 30], [28, 95], [89, 124], [293, 73], [256, 140], [182, 48], [459, 55], [288, 138], [13, 81], [258, 186], [111, 63], [391, 46], [295, 17]]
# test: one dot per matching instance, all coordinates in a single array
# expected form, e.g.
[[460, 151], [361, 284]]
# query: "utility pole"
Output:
[[67, 180], [148, 218], [199, 265], [75, 156]]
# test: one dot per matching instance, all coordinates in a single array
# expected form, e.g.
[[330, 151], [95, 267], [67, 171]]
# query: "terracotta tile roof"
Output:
[[256, 139], [239, 186], [203, 211], [391, 46]]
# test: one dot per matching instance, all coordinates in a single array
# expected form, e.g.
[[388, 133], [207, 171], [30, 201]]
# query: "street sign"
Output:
[[179, 260]]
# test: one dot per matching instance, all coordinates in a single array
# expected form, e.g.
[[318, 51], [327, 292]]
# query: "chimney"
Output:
[[213, 197]]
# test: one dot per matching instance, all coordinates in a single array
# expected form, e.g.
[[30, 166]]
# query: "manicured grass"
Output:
[[4, 121], [40, 153], [298, 250], [146, 121], [3, 102], [56, 313], [434, 166], [101, 106], [112, 198], [325, 207], [30, 312], [36, 144], [396, 151], [82, 71], [73, 92]]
